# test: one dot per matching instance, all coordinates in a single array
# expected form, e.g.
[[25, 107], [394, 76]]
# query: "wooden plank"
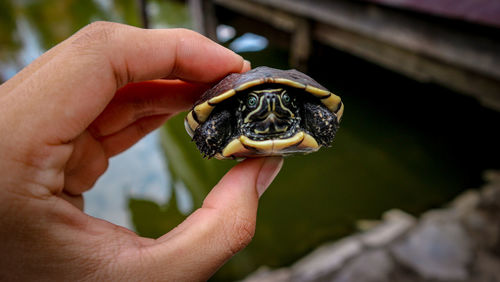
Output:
[[485, 89], [144, 13], [298, 27], [203, 17], [300, 47], [462, 60], [484, 12], [474, 52], [273, 16]]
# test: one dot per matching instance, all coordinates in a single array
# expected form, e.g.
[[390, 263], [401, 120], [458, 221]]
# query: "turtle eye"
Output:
[[252, 101], [286, 98]]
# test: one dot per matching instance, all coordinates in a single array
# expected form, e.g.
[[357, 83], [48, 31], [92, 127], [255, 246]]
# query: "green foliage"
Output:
[[152, 220], [9, 42], [185, 162], [127, 11], [169, 14], [54, 20]]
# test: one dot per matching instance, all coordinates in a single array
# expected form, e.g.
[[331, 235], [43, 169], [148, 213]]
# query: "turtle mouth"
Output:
[[272, 126]]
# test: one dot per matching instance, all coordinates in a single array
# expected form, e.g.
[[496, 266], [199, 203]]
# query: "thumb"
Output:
[[224, 225]]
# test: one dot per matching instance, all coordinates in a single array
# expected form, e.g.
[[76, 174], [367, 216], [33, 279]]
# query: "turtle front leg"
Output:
[[320, 122], [212, 136]]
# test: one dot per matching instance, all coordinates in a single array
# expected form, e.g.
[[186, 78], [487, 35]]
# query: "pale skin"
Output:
[[66, 114]]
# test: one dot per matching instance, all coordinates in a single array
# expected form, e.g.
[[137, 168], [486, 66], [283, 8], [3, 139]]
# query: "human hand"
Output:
[[64, 115]]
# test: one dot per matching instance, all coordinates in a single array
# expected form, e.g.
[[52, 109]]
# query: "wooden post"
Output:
[[144, 13], [203, 15], [300, 48]]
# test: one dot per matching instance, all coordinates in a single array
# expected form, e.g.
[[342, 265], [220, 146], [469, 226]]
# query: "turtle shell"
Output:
[[236, 83]]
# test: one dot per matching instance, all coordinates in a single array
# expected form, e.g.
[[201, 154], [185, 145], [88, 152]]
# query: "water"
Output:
[[138, 173], [401, 144]]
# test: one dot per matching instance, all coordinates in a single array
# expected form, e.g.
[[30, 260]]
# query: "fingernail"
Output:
[[247, 65], [268, 172]]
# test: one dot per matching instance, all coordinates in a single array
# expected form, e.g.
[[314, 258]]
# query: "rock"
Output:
[[458, 243], [265, 274], [442, 215], [325, 260], [364, 225], [482, 229], [487, 268], [466, 201], [438, 248], [490, 198], [490, 194], [492, 176], [372, 266], [396, 223]]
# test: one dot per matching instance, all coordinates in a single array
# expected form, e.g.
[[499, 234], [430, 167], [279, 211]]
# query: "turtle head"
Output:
[[268, 113]]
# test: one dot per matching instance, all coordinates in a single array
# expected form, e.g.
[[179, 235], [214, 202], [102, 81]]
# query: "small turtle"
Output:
[[264, 112]]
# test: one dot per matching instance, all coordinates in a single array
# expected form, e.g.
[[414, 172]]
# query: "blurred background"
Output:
[[420, 81]]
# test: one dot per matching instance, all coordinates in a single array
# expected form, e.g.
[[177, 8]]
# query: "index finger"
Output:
[[80, 80]]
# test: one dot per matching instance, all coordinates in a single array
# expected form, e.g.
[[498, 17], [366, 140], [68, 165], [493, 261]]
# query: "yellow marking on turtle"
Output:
[[219, 156], [202, 111], [261, 101], [284, 107], [320, 93], [289, 83], [188, 129], [261, 131], [266, 145], [280, 144], [283, 129], [190, 124], [268, 90], [239, 146], [340, 112], [309, 142], [222, 97], [272, 146], [332, 102], [249, 84], [233, 147]]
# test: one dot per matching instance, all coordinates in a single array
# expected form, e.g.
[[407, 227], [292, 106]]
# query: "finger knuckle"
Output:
[[186, 38], [101, 164], [143, 108], [142, 129], [186, 32], [240, 233], [95, 34]]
